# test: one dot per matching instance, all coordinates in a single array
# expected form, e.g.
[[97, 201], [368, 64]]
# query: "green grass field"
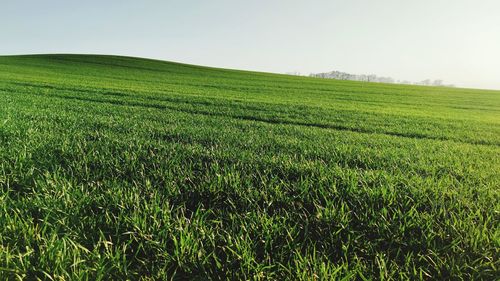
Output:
[[124, 168]]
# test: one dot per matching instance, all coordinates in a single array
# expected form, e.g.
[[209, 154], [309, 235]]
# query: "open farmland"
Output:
[[124, 168]]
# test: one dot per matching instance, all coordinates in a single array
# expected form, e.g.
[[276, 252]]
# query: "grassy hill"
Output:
[[117, 167]]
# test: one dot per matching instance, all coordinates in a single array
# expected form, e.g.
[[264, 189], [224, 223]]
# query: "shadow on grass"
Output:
[[336, 127]]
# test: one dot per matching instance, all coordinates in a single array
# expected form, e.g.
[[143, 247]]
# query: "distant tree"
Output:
[[426, 82], [371, 78], [438, 82]]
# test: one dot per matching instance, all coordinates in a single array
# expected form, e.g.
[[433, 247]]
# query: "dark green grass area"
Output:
[[123, 168]]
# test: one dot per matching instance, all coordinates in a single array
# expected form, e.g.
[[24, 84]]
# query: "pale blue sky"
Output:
[[454, 40]]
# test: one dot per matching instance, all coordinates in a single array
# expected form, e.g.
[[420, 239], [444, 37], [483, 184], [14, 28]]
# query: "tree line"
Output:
[[374, 78]]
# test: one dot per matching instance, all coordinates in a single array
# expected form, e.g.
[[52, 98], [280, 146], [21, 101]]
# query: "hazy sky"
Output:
[[454, 40]]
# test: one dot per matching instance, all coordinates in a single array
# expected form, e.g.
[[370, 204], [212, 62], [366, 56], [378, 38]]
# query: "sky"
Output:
[[457, 41]]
